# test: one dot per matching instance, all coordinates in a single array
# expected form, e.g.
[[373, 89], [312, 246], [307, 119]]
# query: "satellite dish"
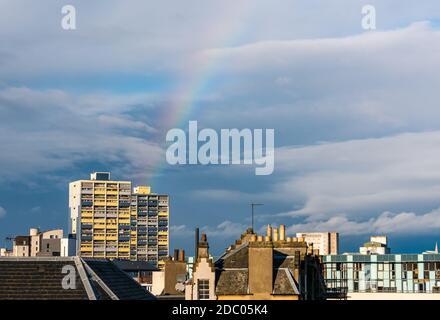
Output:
[[180, 287]]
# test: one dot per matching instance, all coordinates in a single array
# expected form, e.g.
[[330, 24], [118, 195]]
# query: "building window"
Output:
[[203, 289]]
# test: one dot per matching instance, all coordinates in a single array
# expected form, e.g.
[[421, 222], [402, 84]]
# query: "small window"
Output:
[[203, 289]]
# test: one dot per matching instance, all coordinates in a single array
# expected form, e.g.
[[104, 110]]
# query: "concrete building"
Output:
[[47, 243], [110, 221], [256, 267], [150, 214], [326, 242], [68, 246], [100, 216], [4, 252], [383, 276], [376, 245]]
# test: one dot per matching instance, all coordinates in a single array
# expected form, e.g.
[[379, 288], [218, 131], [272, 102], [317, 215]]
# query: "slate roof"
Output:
[[232, 273], [128, 266], [231, 282], [284, 283], [116, 282], [37, 280], [236, 258], [41, 278]]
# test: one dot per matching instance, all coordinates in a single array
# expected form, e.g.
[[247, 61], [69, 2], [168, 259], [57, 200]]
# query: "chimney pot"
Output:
[[269, 231], [275, 234], [282, 232]]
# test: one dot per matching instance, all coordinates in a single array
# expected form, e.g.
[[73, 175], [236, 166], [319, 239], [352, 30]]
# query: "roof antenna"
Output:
[[253, 205]]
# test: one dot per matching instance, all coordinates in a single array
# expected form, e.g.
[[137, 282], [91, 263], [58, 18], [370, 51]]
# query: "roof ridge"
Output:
[[291, 279], [85, 280], [228, 254], [100, 282]]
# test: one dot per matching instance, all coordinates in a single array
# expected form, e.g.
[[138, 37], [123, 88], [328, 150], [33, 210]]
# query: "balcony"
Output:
[[86, 203], [86, 238]]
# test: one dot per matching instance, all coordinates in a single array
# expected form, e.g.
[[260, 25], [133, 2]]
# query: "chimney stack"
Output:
[[203, 249], [182, 255], [260, 267]]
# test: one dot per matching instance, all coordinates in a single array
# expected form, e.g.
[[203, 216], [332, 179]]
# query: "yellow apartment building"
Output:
[[112, 221]]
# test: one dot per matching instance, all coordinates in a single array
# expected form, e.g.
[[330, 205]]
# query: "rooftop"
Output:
[[50, 278]]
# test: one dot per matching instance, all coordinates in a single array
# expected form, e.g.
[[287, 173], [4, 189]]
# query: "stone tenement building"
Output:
[[270, 267]]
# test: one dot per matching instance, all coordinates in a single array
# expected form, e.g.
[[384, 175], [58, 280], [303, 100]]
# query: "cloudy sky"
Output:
[[356, 113]]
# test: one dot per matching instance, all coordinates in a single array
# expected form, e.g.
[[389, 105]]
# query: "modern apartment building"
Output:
[[110, 221], [149, 226], [384, 276], [326, 242]]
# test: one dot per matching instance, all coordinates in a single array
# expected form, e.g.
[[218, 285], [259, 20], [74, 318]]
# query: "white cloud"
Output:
[[2, 212], [370, 84], [148, 37], [404, 223], [45, 131], [361, 177], [226, 229], [223, 194], [36, 209]]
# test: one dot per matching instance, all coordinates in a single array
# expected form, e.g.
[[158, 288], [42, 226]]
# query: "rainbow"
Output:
[[202, 69]]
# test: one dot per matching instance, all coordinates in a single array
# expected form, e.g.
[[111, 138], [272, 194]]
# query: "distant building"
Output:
[[271, 267], [68, 246], [376, 274], [432, 252], [47, 243], [4, 252], [71, 278], [112, 221], [141, 271], [376, 245], [326, 242], [150, 215], [170, 281]]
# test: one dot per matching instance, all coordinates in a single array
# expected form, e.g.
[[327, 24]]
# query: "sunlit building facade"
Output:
[[112, 221], [384, 276]]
